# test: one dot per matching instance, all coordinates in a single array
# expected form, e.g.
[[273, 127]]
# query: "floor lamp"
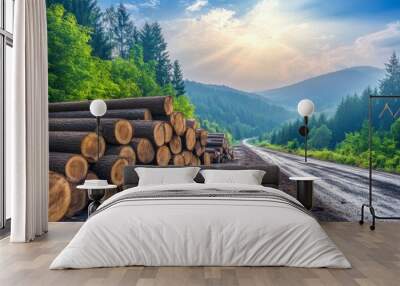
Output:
[[305, 109], [98, 108]]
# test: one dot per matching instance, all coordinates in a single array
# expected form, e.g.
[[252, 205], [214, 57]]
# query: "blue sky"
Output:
[[260, 44]]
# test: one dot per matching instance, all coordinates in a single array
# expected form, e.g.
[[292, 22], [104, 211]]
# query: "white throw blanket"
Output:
[[134, 228]]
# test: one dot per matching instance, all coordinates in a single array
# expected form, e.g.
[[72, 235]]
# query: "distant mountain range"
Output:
[[243, 114], [247, 114], [327, 90]]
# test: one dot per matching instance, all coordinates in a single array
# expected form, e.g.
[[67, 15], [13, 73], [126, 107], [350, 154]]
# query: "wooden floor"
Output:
[[375, 257]]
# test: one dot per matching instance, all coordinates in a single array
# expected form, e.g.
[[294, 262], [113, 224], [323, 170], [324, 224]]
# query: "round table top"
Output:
[[309, 178], [89, 187]]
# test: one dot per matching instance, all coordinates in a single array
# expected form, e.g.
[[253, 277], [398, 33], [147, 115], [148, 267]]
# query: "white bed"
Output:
[[202, 231]]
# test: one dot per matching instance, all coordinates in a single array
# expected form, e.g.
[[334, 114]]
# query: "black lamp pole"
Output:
[[305, 137], [98, 136]]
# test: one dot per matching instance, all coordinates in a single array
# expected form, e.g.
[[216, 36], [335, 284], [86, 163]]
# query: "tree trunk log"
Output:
[[123, 151], [202, 135], [144, 150], [190, 139], [158, 105], [175, 144], [199, 149], [206, 159], [178, 160], [114, 131], [152, 130], [79, 197], [163, 156], [128, 114], [168, 132], [74, 167], [191, 123], [59, 196], [187, 156], [111, 168], [195, 161], [84, 143]]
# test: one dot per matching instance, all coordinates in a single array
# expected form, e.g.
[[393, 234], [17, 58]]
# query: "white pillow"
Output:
[[248, 177], [166, 176]]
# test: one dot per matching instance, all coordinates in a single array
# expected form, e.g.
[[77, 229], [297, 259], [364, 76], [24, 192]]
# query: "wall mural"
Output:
[[204, 82]]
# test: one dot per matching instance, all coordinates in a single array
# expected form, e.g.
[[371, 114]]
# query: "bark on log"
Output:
[[202, 135], [111, 168], [74, 167], [79, 197], [59, 196], [114, 131], [129, 114], [206, 159], [191, 123], [187, 156], [152, 130], [199, 149], [163, 156], [195, 161], [144, 150], [190, 139], [123, 151], [175, 144], [84, 143], [168, 132], [178, 160], [160, 105]]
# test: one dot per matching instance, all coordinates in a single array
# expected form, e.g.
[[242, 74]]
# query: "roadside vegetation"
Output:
[[344, 137]]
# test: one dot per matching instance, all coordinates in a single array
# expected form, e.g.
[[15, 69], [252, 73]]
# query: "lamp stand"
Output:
[[98, 136], [305, 137]]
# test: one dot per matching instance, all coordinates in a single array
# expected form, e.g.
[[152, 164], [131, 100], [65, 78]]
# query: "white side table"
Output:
[[95, 194], [305, 190]]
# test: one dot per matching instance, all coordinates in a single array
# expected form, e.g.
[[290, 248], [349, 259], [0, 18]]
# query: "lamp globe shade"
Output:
[[305, 107], [98, 108]]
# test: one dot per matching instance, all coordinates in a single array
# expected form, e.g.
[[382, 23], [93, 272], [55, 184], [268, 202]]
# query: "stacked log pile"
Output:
[[144, 131]]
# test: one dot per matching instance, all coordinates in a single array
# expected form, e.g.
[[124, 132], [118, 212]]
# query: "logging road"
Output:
[[342, 189]]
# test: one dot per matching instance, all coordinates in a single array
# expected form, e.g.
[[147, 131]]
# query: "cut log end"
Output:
[[117, 171], [144, 150], [59, 196], [190, 139], [123, 131], [175, 145], [187, 156], [158, 134], [128, 153], [163, 156], [90, 146], [178, 160], [76, 168], [178, 122], [168, 132]]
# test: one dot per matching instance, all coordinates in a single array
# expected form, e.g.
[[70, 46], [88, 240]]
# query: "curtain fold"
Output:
[[27, 124]]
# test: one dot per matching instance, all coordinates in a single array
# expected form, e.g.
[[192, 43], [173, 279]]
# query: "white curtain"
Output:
[[27, 124]]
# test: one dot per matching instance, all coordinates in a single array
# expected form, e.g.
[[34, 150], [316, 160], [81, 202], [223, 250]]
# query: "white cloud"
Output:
[[149, 3], [272, 45], [197, 5]]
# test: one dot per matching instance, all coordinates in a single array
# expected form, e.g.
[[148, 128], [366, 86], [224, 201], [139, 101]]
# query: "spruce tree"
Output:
[[177, 79], [123, 31], [155, 49], [390, 85], [88, 14]]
